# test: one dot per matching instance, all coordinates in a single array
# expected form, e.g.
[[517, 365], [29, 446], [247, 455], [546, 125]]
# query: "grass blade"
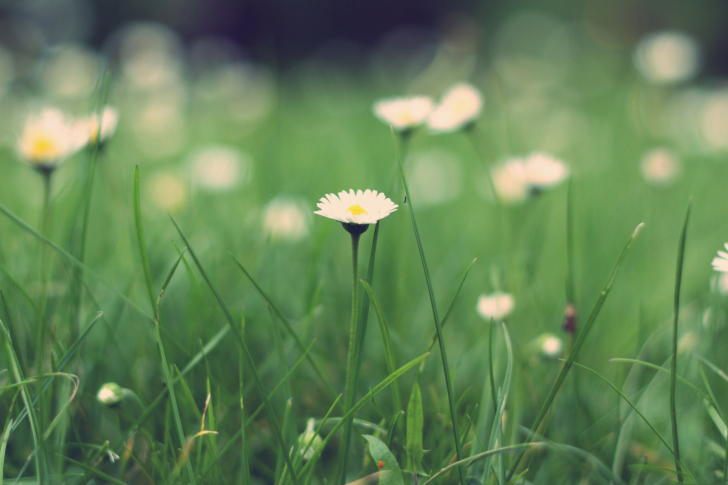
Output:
[[673, 377], [142, 245], [590, 319], [14, 364], [387, 341], [481, 456], [443, 354]]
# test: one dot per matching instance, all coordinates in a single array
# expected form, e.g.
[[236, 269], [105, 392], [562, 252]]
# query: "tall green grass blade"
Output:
[[393, 426], [570, 292], [372, 392], [588, 324], [387, 341], [673, 378], [244, 448], [249, 358], [142, 244], [286, 323], [639, 413], [364, 313], [499, 408], [428, 280], [446, 317], [14, 364], [5, 436], [415, 425], [86, 210]]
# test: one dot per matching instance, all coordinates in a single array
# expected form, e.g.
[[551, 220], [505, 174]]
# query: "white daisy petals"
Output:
[[460, 106], [403, 113], [358, 207], [720, 262]]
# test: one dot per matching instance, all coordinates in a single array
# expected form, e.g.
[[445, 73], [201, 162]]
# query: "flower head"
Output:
[[459, 107], [720, 262], [48, 139], [356, 208], [220, 167], [309, 441], [284, 219], [496, 306], [110, 394], [403, 113], [660, 166], [544, 171], [550, 345], [109, 122]]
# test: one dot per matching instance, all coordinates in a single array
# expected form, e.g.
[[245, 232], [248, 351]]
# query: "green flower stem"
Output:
[[354, 343]]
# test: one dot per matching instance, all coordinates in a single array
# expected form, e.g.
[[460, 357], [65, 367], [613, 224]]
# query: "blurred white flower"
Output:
[[49, 138], [403, 113], [356, 207], [544, 171], [110, 394], [285, 219], [720, 262], [218, 167], [150, 55], [459, 107], [511, 181], [667, 57], [550, 345], [517, 179], [309, 441], [168, 192], [434, 176], [713, 120], [109, 122], [495, 306], [660, 166]]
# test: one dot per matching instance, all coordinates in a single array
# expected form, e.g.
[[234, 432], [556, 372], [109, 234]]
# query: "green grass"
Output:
[[260, 325]]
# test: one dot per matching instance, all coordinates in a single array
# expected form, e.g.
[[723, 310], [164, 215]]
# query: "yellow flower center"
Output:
[[44, 147], [356, 210]]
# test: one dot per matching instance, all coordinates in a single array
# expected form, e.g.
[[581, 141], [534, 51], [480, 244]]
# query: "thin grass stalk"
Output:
[[44, 271], [443, 354], [354, 349], [90, 177], [673, 377], [14, 364]]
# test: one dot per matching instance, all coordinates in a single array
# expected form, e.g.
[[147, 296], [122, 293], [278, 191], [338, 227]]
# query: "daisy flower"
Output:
[[459, 107], [284, 219], [48, 139], [550, 345], [403, 113], [356, 208], [510, 181], [109, 122], [720, 262], [496, 306], [544, 171]]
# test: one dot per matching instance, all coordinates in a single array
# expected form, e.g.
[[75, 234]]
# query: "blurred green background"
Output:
[[241, 116]]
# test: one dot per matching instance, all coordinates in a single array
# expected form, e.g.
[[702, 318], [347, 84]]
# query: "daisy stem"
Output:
[[354, 343]]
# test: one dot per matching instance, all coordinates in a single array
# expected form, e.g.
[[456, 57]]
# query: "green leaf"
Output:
[[389, 474], [415, 424]]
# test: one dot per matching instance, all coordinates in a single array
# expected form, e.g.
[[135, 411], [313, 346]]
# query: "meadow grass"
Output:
[[225, 340]]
